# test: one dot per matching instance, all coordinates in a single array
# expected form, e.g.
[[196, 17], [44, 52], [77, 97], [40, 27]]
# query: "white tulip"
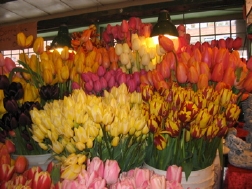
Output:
[[136, 44], [124, 58], [142, 50], [152, 52], [118, 49], [133, 36], [126, 48], [145, 59]]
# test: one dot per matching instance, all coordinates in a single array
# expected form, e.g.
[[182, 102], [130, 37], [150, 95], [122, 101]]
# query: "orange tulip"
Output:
[[202, 81], [223, 57], [181, 72], [207, 56], [89, 45], [204, 69], [221, 85], [38, 45], [249, 63], [22, 41], [185, 57], [166, 43], [170, 57], [240, 76], [197, 55], [217, 73], [248, 83], [229, 77], [86, 35], [193, 75]]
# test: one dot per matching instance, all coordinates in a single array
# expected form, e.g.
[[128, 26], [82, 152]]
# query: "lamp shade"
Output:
[[164, 25], [62, 39]]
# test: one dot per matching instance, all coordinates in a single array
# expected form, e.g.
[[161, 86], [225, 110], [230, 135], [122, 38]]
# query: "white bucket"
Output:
[[37, 160], [202, 179]]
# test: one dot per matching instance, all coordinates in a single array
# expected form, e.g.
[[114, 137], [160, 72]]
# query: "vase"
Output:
[[203, 179], [41, 160]]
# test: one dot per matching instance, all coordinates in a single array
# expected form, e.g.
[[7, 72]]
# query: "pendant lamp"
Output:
[[164, 26], [62, 39]]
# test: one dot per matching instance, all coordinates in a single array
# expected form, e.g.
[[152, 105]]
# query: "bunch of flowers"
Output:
[[15, 123], [191, 104], [110, 127], [99, 174]]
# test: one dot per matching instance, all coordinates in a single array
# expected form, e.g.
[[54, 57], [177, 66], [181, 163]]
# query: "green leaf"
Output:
[[55, 174], [187, 168]]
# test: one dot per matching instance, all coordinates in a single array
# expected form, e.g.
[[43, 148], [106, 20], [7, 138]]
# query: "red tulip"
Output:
[[146, 30], [9, 64], [237, 43], [193, 75], [221, 43], [124, 26], [229, 43], [132, 23], [229, 77], [6, 172], [10, 146], [19, 180], [221, 85], [166, 43], [106, 36], [217, 73], [214, 43], [202, 81], [181, 72], [111, 171], [207, 56], [174, 173], [103, 82], [115, 31], [42, 180], [101, 71], [75, 85], [109, 29]]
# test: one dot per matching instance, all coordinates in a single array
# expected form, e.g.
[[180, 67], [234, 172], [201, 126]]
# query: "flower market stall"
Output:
[[117, 104]]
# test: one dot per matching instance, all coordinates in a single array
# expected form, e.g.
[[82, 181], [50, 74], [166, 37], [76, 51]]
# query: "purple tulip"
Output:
[[122, 78], [136, 77], [131, 84], [75, 85], [94, 77], [4, 82], [108, 75]]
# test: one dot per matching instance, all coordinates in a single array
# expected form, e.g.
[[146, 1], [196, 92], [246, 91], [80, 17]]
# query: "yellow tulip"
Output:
[[70, 148], [203, 118], [71, 172], [115, 141], [95, 112], [57, 147], [65, 53], [47, 76], [33, 63], [22, 41], [81, 158], [58, 65], [43, 146], [71, 160], [38, 45], [30, 93], [90, 143], [64, 73], [145, 130], [80, 146]]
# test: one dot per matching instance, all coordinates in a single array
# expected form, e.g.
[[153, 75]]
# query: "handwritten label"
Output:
[[8, 34]]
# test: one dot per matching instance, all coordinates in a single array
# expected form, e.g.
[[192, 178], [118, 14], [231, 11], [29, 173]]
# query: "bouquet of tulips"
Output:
[[100, 174], [110, 127], [191, 104]]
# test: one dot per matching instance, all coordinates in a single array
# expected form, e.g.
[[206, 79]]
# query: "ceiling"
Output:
[[49, 14]]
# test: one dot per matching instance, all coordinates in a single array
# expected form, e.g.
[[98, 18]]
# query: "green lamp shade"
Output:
[[164, 25], [62, 39]]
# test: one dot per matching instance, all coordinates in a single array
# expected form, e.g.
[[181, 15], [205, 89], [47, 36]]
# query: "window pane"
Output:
[[192, 29], [238, 26], [206, 28], [207, 38], [194, 40], [222, 27]]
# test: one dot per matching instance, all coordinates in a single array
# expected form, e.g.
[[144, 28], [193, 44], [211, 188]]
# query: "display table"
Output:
[[238, 178]]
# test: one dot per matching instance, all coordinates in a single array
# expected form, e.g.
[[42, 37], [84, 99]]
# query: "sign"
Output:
[[8, 34]]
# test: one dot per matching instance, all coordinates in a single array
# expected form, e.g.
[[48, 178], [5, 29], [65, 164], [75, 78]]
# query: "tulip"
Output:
[[174, 173], [172, 127], [226, 95], [2, 62], [38, 45], [71, 172], [166, 43], [188, 111], [229, 43], [159, 141], [9, 64], [41, 180], [248, 83], [218, 72], [193, 75], [181, 72], [22, 41], [6, 172], [142, 177], [232, 112], [4, 82], [195, 131], [237, 43], [157, 181], [203, 118], [111, 171], [96, 165]]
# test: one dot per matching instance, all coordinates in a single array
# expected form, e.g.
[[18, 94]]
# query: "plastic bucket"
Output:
[[37, 160], [203, 179]]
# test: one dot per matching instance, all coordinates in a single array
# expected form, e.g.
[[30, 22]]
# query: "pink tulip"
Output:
[[89, 85], [136, 77], [111, 82], [108, 75], [132, 23], [122, 78], [97, 86], [104, 83], [96, 165], [9, 64], [101, 71], [142, 177], [106, 36], [75, 85], [174, 173], [111, 171], [157, 181], [71, 184], [94, 77], [86, 76]]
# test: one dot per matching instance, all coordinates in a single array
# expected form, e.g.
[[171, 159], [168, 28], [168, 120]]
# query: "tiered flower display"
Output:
[[134, 101]]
